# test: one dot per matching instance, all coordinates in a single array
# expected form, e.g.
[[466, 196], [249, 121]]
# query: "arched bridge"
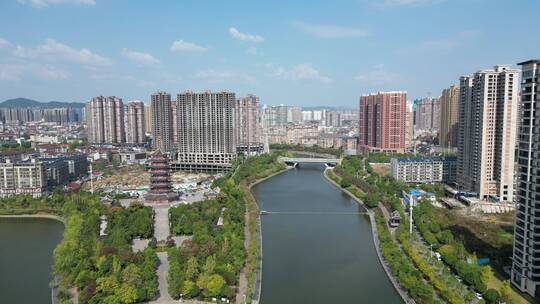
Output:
[[294, 161]]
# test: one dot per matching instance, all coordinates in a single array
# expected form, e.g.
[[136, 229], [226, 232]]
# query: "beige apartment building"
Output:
[[105, 120], [148, 118], [247, 122], [448, 135], [136, 123], [487, 132], [206, 139], [303, 134], [22, 178], [162, 122]]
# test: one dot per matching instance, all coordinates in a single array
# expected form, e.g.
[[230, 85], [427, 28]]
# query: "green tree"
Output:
[[190, 289], [131, 275], [491, 296], [126, 294], [215, 285], [210, 265], [192, 268], [506, 292]]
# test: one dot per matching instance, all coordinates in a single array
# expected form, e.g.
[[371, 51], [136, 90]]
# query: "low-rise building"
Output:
[[438, 169], [131, 157], [56, 171], [415, 195]]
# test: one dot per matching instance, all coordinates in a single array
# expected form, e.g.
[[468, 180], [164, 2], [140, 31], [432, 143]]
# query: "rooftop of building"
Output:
[[419, 192], [385, 92], [529, 61], [425, 159]]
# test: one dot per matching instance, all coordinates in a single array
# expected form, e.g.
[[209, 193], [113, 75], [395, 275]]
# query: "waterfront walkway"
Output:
[[403, 294]]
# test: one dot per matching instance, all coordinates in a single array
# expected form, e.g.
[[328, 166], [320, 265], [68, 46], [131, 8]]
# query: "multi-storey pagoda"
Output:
[[160, 180]]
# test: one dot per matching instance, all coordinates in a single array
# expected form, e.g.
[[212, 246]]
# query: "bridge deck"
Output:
[[310, 160], [312, 212]]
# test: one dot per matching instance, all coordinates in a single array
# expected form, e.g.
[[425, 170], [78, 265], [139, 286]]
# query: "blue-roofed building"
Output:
[[415, 195], [429, 169]]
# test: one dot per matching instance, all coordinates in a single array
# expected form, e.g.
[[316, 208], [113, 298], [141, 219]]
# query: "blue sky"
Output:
[[291, 52]]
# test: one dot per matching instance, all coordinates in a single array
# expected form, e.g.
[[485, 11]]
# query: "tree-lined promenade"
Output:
[[212, 263], [410, 256]]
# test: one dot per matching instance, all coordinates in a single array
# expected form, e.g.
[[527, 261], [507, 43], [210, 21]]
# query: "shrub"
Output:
[[491, 296]]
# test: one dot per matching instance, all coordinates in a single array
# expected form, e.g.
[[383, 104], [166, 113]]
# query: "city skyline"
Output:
[[326, 60]]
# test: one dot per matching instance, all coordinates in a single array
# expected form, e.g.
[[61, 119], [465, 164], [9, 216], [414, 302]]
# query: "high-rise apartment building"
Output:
[[448, 134], [487, 132], [332, 119], [281, 115], [427, 114], [105, 120], [206, 139], [294, 114], [247, 122], [162, 120], [148, 118], [174, 104], [526, 265], [409, 126], [381, 119], [136, 129]]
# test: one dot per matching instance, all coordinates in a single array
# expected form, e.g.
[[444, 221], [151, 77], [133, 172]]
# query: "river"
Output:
[[26, 259], [316, 249]]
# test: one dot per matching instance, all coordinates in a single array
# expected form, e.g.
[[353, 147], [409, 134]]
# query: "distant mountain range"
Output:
[[29, 103]]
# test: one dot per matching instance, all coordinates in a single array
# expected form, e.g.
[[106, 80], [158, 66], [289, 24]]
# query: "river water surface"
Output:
[[26, 259], [315, 248]]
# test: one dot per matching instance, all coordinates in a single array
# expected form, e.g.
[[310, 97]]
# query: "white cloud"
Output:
[[56, 50], [221, 75], [181, 45], [4, 44], [46, 3], [17, 71], [299, 72], [139, 57], [330, 31], [245, 36], [377, 76]]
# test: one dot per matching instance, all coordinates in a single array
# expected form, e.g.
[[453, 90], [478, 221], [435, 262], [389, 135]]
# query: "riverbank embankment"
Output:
[[404, 296], [45, 216], [253, 233]]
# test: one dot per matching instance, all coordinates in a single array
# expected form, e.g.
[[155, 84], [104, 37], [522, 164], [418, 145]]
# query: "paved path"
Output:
[[161, 222], [242, 282], [162, 271]]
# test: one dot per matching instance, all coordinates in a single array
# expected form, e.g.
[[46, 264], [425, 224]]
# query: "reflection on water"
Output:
[[317, 258]]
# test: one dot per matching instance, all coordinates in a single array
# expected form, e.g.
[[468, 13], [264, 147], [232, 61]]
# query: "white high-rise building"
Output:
[[526, 258], [487, 132], [206, 139]]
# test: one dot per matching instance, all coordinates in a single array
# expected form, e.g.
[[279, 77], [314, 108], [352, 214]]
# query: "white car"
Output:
[[478, 296]]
